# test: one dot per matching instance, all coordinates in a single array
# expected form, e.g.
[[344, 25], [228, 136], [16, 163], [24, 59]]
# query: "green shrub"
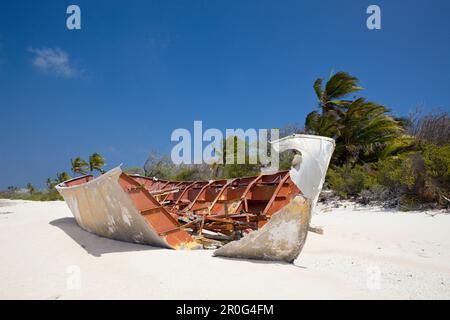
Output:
[[436, 180], [395, 172], [418, 177], [407, 180], [135, 170], [437, 162], [350, 181], [190, 173], [37, 196]]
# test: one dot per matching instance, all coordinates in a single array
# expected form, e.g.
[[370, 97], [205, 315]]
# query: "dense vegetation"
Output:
[[399, 162], [415, 177]]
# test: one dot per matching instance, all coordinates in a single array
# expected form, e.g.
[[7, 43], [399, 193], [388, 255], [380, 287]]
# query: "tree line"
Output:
[[401, 161], [79, 166]]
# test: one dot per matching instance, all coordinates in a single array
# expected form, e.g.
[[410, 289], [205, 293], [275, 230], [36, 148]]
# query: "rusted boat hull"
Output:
[[263, 217], [104, 207]]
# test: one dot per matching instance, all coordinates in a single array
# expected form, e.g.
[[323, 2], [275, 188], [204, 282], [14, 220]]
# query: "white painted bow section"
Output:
[[309, 174]]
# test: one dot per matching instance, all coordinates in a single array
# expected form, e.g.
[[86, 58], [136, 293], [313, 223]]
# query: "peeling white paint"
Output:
[[104, 208], [285, 232], [111, 224], [138, 238], [309, 173], [126, 218]]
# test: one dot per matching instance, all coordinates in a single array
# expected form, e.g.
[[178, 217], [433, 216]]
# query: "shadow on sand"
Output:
[[96, 245], [93, 244]]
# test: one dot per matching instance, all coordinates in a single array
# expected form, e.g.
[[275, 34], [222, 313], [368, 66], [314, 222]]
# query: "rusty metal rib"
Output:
[[274, 195], [247, 190], [188, 208], [155, 214], [211, 207]]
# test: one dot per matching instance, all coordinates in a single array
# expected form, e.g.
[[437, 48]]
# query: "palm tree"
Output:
[[361, 128], [12, 189], [30, 188], [96, 162], [79, 166], [61, 177], [331, 96], [364, 131], [50, 183]]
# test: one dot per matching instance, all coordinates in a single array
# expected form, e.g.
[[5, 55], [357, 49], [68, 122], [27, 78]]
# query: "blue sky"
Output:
[[137, 70]]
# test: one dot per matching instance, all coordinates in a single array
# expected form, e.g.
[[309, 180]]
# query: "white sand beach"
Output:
[[365, 253]]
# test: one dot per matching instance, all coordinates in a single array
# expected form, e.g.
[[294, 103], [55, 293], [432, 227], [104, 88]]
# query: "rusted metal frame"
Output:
[[213, 222], [247, 190], [198, 196], [153, 193], [234, 199], [171, 200], [187, 225], [183, 192], [223, 220], [243, 198], [167, 195], [274, 195], [77, 180], [211, 207], [148, 182], [203, 193], [202, 225], [164, 192], [149, 211], [166, 184], [160, 184], [150, 197], [229, 224], [157, 209], [141, 180], [197, 210], [236, 215]]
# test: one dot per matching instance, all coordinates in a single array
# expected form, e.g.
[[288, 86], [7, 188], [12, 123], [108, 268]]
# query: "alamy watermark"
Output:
[[374, 20], [73, 22], [235, 146]]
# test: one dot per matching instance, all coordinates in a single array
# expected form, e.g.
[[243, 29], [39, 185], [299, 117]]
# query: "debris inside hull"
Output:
[[264, 217]]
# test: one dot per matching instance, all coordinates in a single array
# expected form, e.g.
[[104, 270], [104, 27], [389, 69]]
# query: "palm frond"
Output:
[[318, 88]]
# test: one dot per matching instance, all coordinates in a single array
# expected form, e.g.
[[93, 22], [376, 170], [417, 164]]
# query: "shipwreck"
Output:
[[264, 217]]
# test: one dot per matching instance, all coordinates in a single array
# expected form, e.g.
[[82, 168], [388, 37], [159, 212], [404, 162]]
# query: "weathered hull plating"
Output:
[[102, 206], [265, 217]]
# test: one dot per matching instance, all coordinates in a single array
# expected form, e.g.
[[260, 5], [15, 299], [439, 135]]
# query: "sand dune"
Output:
[[365, 253]]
